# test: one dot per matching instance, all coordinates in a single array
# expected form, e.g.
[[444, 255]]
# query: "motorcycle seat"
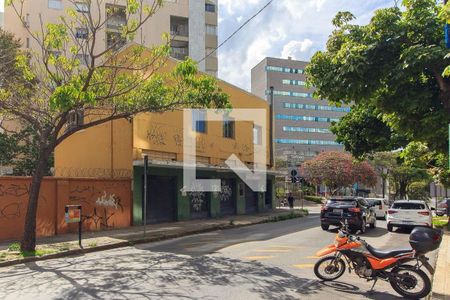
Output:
[[387, 253]]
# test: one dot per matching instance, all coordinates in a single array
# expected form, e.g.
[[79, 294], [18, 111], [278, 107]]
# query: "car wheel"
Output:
[[363, 226], [390, 228], [374, 224], [325, 227]]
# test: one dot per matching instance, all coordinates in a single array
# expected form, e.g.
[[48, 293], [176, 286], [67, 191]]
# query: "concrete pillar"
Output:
[[197, 32]]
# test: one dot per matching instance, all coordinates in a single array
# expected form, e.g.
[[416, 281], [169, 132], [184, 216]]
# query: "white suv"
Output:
[[380, 206], [409, 213]]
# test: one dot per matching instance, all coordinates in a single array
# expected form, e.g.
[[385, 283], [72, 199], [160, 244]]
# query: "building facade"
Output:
[[1, 19], [192, 25], [301, 123], [116, 150]]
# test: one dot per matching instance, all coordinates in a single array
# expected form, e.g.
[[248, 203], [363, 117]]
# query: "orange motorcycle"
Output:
[[372, 264]]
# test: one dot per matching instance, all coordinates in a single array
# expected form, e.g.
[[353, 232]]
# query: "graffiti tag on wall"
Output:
[[156, 135], [99, 206]]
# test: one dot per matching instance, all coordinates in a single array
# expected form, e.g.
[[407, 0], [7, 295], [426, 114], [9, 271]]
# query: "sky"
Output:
[[296, 28]]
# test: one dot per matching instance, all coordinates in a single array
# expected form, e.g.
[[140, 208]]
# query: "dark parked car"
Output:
[[356, 210], [443, 208]]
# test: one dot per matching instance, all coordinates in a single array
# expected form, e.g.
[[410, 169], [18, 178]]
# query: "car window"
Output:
[[406, 205], [363, 202], [376, 202], [342, 202]]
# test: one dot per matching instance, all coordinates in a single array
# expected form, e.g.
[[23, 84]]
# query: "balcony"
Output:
[[180, 49], [179, 26]]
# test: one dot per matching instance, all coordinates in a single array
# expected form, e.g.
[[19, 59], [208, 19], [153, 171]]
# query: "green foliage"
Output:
[[393, 65], [14, 247], [292, 215], [440, 222], [419, 190], [403, 176], [21, 151], [280, 193], [315, 199], [308, 189], [363, 131]]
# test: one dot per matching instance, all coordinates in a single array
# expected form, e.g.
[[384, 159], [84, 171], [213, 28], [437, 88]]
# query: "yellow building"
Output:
[[116, 149]]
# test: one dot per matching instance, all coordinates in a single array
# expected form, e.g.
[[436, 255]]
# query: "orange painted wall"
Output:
[[106, 204]]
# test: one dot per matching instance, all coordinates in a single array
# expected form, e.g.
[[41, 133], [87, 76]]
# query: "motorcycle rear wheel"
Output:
[[413, 277], [329, 268]]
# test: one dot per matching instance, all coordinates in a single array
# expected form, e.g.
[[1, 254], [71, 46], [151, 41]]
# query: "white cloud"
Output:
[[296, 49], [231, 6], [296, 28]]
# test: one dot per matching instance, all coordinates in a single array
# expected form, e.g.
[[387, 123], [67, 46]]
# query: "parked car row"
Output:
[[443, 208], [360, 212], [356, 210]]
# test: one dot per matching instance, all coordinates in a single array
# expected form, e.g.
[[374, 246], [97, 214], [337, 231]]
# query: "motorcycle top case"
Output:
[[425, 239]]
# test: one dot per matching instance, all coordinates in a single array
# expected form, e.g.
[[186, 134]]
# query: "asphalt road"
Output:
[[267, 261]]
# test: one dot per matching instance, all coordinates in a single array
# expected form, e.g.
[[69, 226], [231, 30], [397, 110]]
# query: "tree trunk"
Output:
[[402, 190], [28, 242]]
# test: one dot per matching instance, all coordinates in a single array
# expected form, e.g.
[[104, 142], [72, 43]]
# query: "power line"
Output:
[[237, 30]]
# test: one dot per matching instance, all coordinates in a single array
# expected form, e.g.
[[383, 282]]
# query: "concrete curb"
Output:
[[161, 237], [438, 291]]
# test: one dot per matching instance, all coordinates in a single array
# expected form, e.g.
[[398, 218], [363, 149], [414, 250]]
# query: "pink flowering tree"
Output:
[[338, 170]]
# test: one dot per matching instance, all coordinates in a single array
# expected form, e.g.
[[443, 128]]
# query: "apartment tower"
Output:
[[301, 123], [192, 25]]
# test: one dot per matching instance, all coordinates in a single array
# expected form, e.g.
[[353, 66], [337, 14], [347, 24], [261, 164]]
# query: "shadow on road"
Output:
[[149, 275], [208, 243], [354, 290]]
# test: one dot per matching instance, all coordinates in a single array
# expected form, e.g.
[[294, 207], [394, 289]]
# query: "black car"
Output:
[[356, 210], [443, 208]]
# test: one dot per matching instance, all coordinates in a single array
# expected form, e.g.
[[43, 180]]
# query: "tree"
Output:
[[393, 64], [403, 176], [406, 170], [19, 150], [338, 170], [70, 85], [363, 131]]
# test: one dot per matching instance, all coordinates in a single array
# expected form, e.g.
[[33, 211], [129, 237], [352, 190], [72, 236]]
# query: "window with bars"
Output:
[[228, 128]]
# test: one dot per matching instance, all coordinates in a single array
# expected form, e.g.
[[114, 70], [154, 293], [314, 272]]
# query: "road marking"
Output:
[[258, 257], [272, 250], [303, 266]]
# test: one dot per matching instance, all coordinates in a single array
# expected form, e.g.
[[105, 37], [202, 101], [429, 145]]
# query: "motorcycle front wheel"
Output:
[[412, 283], [329, 268]]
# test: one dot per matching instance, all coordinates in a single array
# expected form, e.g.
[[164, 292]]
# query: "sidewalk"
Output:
[[441, 282], [67, 244]]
